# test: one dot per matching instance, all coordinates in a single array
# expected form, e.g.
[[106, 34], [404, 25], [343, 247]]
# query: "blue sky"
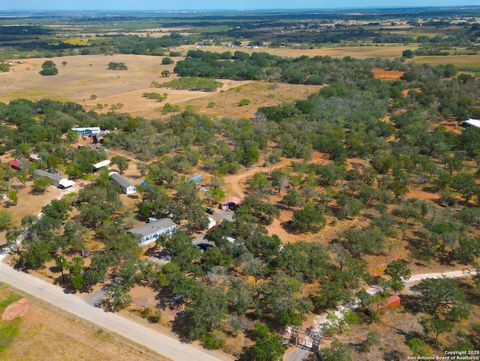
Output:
[[216, 4]]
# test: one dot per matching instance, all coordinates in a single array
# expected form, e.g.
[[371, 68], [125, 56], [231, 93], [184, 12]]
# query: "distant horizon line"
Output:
[[250, 9]]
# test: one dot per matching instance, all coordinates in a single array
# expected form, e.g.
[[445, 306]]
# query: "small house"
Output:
[[86, 131], [471, 123], [150, 232], [15, 164], [127, 186], [55, 179], [102, 164]]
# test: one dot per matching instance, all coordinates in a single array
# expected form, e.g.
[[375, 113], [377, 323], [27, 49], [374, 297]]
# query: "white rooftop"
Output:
[[473, 122], [103, 163]]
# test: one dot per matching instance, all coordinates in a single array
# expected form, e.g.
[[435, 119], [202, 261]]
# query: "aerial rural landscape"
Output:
[[256, 185]]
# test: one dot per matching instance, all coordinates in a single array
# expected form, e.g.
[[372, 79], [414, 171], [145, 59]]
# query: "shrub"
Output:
[[418, 347], [4, 67], [49, 68], [351, 318], [167, 61], [244, 102], [117, 66], [169, 108], [212, 342], [201, 84], [5, 220], [156, 96]]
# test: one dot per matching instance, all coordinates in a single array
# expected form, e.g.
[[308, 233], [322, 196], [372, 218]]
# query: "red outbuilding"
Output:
[[15, 164]]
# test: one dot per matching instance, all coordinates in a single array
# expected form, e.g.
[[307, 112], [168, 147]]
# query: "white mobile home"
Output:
[[127, 186], [55, 179], [150, 232], [102, 164]]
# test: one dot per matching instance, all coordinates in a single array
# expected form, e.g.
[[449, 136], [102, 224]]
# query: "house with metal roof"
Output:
[[149, 232], [87, 130], [55, 179], [127, 186], [102, 164]]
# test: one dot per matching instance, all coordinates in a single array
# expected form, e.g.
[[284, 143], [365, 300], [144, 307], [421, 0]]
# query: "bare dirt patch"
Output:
[[16, 309], [387, 74]]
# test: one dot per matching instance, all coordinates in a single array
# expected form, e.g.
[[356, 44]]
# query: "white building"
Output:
[[471, 123], [55, 179], [150, 232], [102, 164], [127, 186]]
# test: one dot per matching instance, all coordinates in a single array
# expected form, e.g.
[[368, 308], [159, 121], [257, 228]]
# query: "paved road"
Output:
[[156, 341]]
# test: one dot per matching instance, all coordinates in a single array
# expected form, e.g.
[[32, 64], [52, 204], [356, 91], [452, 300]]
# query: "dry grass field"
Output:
[[383, 51], [45, 333], [82, 77], [86, 80], [226, 103], [463, 62]]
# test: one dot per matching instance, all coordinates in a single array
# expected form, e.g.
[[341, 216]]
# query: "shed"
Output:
[[475, 123], [127, 186], [15, 164], [150, 232], [55, 179]]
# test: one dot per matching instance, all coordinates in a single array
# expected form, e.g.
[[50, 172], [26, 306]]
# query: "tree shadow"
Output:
[[182, 326], [393, 355], [411, 304]]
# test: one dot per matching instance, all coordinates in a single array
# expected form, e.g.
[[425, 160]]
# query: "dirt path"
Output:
[[323, 319], [234, 184]]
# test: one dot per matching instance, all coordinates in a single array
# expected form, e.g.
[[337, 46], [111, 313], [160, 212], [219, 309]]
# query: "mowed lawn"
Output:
[[462, 62]]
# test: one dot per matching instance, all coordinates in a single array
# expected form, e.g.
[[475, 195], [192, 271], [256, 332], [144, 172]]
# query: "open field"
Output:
[[384, 51], [226, 103], [45, 333], [84, 76], [462, 62]]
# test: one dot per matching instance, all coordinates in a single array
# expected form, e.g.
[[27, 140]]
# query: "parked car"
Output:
[[209, 211]]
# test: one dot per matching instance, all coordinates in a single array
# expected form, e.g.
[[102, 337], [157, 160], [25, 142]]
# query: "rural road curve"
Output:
[[163, 344]]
